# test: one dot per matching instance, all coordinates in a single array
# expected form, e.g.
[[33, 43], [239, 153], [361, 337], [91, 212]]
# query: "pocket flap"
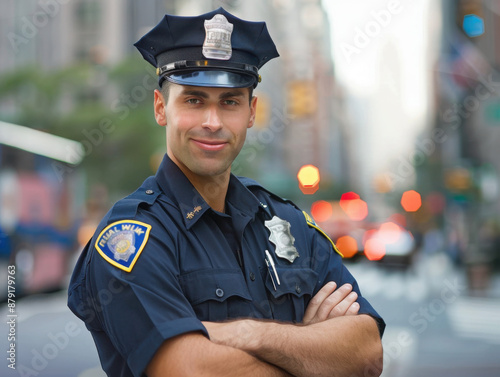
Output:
[[214, 284], [296, 281]]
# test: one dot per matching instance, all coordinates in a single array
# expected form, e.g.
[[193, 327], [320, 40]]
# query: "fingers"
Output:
[[353, 309], [317, 301], [335, 303], [344, 305], [331, 303]]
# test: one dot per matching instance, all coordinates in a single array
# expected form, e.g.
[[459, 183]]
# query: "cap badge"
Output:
[[282, 238], [217, 44]]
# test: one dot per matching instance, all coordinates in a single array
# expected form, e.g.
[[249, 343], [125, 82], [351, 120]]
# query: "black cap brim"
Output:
[[212, 78]]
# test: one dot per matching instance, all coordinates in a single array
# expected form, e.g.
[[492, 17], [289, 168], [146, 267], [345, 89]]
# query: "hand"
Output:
[[330, 303], [236, 333], [218, 331]]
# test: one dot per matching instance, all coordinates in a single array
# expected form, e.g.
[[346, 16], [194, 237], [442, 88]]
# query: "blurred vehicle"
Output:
[[387, 243], [392, 243], [41, 212]]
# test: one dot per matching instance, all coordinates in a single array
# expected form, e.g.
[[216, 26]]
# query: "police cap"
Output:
[[215, 49]]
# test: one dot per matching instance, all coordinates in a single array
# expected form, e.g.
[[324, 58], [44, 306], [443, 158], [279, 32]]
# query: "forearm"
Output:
[[343, 346], [194, 355]]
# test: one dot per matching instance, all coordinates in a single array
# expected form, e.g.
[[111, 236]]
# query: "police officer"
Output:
[[196, 246]]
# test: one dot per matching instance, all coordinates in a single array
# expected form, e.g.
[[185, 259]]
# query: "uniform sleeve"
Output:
[[328, 263], [138, 310]]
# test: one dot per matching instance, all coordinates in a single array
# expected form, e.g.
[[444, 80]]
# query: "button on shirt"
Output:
[[197, 265]]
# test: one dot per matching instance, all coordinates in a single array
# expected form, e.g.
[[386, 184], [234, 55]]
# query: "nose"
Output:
[[212, 120]]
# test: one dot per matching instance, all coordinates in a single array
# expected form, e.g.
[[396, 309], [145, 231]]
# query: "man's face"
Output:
[[206, 127]]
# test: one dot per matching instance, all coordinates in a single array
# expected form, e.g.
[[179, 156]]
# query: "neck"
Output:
[[213, 189]]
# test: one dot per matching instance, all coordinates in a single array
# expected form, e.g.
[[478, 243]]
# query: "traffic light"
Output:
[[470, 17], [302, 98], [263, 112], [458, 179], [473, 25]]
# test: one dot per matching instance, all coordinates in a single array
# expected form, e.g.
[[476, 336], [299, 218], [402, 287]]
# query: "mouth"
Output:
[[210, 145]]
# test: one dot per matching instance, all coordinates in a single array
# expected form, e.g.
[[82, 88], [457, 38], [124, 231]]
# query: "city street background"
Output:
[[381, 119]]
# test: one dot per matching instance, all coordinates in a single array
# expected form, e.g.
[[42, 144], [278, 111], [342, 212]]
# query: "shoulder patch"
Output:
[[121, 243], [310, 221]]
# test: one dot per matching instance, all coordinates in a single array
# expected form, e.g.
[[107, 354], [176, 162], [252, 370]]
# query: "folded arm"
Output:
[[333, 341], [193, 354], [343, 346]]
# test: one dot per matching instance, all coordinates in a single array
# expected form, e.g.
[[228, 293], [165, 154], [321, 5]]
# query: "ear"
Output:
[[253, 111], [159, 106]]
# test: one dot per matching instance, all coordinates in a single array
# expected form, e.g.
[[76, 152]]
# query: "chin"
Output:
[[209, 169]]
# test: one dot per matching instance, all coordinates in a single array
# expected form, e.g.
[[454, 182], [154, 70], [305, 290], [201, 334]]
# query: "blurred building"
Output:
[[312, 133], [384, 56], [468, 122], [54, 34]]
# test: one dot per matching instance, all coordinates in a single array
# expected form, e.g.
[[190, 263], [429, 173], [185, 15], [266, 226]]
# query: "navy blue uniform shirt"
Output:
[[162, 261]]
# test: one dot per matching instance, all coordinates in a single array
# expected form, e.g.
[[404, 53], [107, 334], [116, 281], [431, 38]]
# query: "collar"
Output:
[[191, 204]]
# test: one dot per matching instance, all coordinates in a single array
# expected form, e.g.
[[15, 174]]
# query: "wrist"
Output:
[[253, 335]]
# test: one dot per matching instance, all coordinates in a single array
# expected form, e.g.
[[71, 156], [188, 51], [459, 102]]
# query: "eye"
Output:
[[230, 102], [193, 101]]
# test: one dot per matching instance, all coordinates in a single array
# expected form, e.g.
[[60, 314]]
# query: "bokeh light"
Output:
[[346, 196], [374, 249], [389, 232], [369, 234], [354, 207], [309, 178], [321, 210], [308, 175], [348, 246], [473, 25], [411, 201]]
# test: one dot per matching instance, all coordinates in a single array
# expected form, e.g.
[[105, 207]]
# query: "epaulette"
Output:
[[310, 221], [253, 186], [127, 207]]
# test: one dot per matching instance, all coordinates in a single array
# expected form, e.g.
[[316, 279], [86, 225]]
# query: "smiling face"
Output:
[[206, 127]]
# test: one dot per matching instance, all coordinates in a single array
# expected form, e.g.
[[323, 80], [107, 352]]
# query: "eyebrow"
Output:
[[193, 92], [203, 94], [232, 93]]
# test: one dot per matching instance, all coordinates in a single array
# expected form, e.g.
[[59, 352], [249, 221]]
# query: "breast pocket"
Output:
[[289, 299], [217, 294]]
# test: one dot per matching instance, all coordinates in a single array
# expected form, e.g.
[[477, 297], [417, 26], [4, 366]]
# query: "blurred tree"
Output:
[[108, 109]]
